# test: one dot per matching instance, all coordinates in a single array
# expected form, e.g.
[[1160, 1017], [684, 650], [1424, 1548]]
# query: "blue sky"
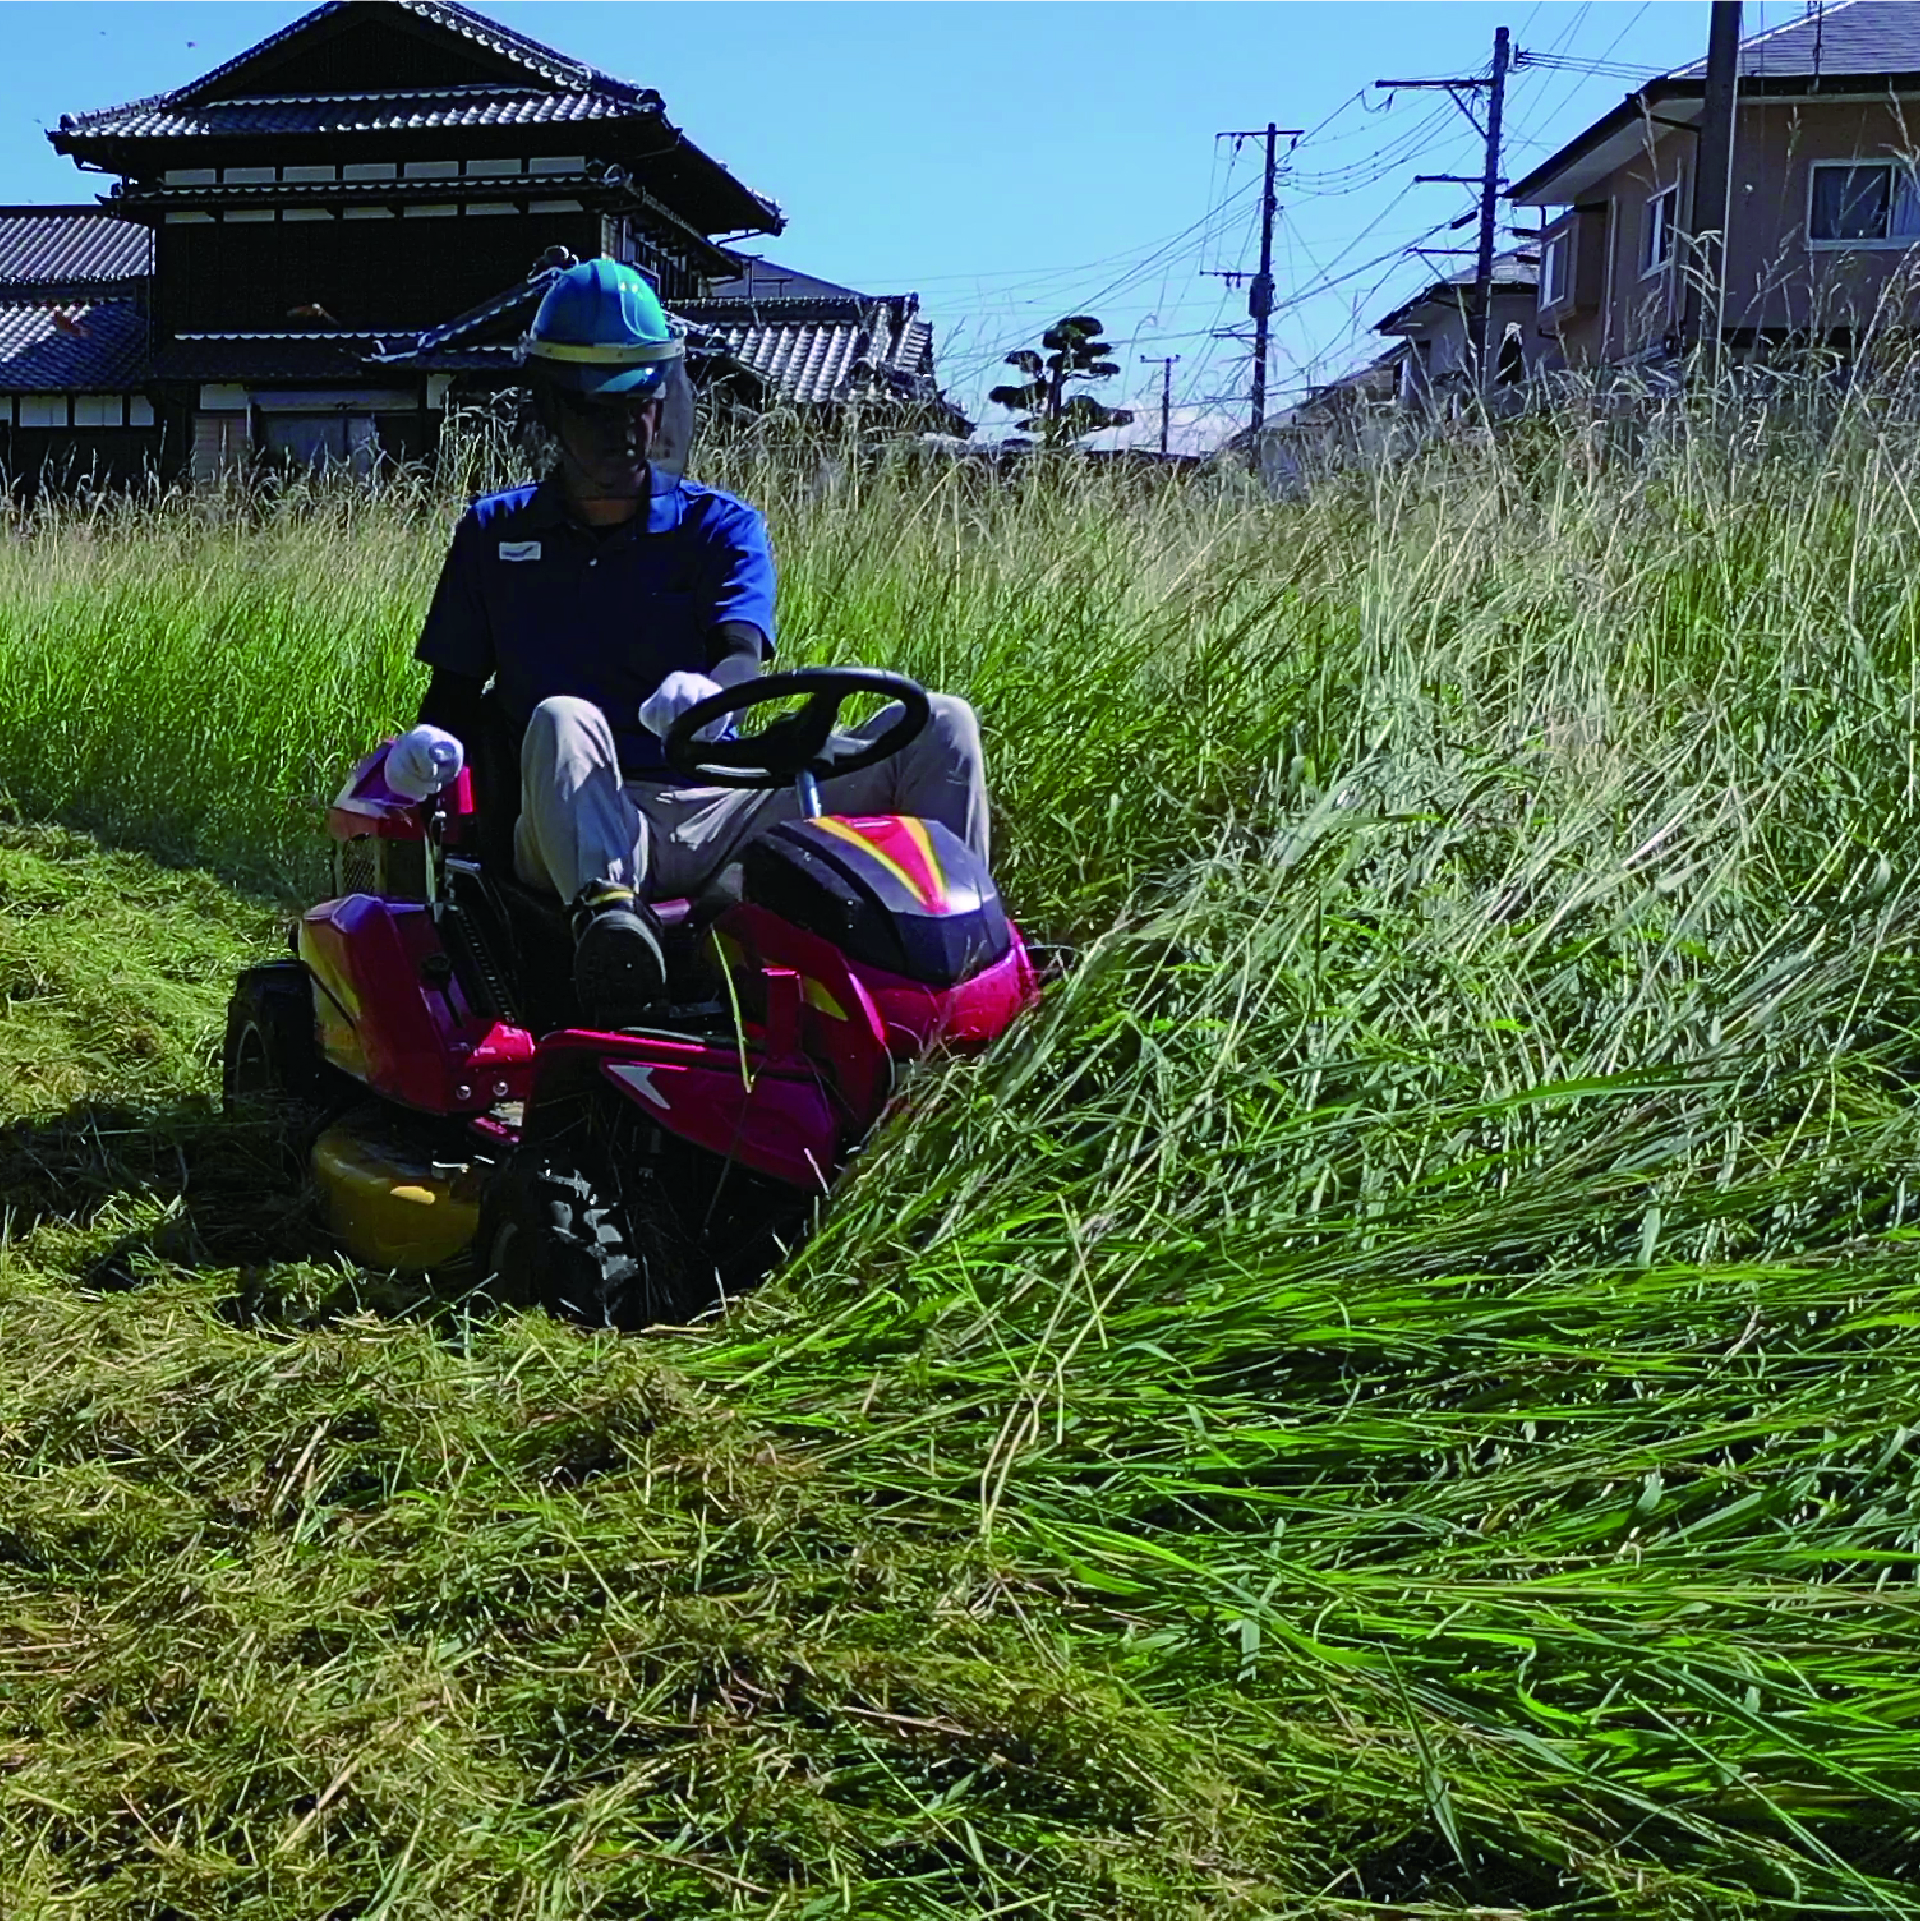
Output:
[[1014, 162]]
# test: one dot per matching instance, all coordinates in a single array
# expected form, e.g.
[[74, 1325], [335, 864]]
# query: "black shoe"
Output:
[[619, 970]]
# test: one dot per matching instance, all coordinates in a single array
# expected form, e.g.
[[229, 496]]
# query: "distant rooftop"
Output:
[[1844, 39], [53, 247], [766, 281], [1516, 271]]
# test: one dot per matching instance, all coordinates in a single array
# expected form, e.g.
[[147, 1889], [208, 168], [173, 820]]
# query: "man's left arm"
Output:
[[736, 614], [735, 650], [740, 590]]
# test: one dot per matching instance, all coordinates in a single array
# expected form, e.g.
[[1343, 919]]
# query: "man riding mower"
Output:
[[605, 983]]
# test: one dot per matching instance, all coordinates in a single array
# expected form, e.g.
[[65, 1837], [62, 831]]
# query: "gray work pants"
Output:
[[579, 823]]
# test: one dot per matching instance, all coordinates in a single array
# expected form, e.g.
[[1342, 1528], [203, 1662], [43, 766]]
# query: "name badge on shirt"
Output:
[[519, 550]]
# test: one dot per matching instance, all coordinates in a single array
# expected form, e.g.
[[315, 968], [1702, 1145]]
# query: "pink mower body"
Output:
[[620, 1177]]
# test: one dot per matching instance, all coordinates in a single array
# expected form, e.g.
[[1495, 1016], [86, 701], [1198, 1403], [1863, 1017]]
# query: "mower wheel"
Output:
[[271, 1066], [552, 1235]]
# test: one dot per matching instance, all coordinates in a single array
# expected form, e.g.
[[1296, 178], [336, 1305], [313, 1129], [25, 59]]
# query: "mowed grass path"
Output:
[[1393, 1393]]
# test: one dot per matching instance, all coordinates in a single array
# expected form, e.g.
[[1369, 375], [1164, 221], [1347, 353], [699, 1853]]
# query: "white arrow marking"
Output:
[[638, 1075]]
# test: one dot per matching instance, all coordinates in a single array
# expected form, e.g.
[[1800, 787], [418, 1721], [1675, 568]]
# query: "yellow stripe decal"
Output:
[[816, 995], [917, 833], [854, 838], [638, 353]]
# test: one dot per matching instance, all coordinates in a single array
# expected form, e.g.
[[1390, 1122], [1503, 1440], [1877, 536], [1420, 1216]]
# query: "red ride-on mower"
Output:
[[428, 1027]]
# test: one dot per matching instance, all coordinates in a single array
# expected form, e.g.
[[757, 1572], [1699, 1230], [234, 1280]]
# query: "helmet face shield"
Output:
[[674, 441], [604, 442]]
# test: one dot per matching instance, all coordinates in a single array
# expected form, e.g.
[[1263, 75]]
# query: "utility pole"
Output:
[[1713, 182], [1494, 85], [1165, 362], [1260, 294], [1260, 288], [1489, 196]]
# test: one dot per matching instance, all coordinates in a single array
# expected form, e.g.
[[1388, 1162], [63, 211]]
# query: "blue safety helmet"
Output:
[[601, 330]]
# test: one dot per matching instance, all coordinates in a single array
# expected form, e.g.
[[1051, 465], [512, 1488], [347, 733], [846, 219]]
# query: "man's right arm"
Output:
[[452, 701], [456, 640]]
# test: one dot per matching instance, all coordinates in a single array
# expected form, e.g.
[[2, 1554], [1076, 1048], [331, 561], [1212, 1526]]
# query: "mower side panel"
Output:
[[782, 1127], [392, 1013], [839, 1024]]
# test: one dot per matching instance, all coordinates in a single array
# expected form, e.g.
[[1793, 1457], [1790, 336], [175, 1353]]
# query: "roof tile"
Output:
[[356, 113], [49, 346], [338, 358], [58, 246], [815, 363], [435, 187], [544, 63]]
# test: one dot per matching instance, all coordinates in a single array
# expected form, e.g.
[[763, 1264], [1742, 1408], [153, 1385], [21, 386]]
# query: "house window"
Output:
[[1554, 262], [1656, 234], [98, 410], [43, 410], [323, 440], [1870, 203]]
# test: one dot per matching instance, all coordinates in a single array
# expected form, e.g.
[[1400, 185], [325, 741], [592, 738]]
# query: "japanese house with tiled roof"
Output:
[[1824, 206], [823, 345], [74, 338], [305, 251]]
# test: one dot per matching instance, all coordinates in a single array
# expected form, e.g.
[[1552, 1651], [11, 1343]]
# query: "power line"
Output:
[[1604, 69], [1553, 54], [1027, 274], [1142, 265], [1524, 138], [1376, 167]]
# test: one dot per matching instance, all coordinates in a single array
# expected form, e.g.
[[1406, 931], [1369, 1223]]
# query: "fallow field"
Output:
[[1395, 1392]]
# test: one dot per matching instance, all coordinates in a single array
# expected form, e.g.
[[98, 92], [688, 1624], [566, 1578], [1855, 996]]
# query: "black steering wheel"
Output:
[[797, 743]]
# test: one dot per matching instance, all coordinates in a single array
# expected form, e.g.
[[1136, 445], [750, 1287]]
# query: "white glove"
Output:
[[679, 691], [422, 761]]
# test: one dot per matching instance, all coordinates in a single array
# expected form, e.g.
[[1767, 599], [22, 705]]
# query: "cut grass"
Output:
[[1392, 1393], [316, 1594]]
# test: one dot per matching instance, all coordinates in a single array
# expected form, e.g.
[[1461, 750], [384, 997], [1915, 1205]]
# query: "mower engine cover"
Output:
[[907, 896]]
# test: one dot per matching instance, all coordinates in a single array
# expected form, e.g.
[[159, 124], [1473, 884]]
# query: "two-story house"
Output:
[[348, 186], [1824, 206]]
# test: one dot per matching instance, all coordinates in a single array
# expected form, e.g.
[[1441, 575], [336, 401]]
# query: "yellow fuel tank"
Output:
[[387, 1200]]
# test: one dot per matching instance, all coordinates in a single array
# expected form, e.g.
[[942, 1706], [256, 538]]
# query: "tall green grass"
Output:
[[1393, 1392]]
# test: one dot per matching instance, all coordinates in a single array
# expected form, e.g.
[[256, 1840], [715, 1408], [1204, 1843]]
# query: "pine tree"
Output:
[[1072, 351]]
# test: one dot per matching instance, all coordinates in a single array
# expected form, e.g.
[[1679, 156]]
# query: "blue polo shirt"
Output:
[[544, 605]]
